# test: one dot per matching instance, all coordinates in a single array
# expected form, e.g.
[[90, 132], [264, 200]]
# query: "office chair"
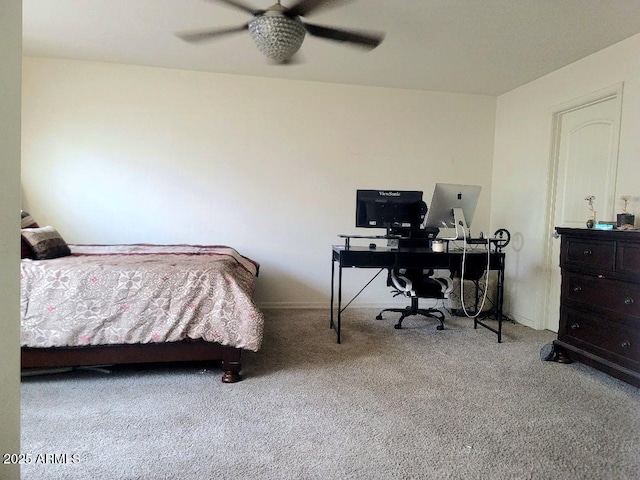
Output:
[[417, 284]]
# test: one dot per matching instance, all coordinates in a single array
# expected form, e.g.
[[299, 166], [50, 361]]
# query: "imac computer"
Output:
[[453, 206], [400, 212]]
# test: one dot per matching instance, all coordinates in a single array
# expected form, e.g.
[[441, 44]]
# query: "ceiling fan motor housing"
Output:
[[277, 36]]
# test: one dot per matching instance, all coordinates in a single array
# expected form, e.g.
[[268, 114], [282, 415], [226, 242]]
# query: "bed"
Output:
[[119, 304]]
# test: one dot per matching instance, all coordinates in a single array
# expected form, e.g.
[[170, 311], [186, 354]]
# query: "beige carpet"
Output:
[[386, 403]]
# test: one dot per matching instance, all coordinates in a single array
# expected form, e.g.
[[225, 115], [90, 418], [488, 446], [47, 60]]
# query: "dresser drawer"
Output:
[[593, 255], [604, 337], [599, 292], [628, 260]]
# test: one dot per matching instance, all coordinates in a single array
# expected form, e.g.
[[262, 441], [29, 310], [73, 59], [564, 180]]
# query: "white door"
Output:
[[585, 162]]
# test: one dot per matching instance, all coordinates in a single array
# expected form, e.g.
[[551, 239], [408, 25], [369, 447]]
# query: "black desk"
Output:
[[385, 257]]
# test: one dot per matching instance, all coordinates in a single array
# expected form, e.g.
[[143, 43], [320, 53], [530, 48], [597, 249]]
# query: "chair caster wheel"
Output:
[[397, 326], [378, 317], [440, 327]]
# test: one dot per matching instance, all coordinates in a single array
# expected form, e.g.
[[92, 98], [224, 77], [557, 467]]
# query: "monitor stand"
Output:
[[459, 223], [458, 218]]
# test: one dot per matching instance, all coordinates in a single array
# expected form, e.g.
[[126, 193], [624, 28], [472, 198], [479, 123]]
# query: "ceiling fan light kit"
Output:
[[278, 31], [277, 36]]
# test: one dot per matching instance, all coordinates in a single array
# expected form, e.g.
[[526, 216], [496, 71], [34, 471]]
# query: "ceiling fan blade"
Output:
[[366, 40], [242, 6], [197, 36], [306, 7]]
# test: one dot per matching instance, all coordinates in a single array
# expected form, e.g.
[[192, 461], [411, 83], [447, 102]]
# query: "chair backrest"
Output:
[[416, 283]]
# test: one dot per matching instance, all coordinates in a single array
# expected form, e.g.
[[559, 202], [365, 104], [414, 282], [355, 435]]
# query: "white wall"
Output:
[[119, 154], [522, 156], [10, 59]]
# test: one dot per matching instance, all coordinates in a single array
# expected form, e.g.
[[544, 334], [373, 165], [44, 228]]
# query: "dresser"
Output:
[[600, 301]]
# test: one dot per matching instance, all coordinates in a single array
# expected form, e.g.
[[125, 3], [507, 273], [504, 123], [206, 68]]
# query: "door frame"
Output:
[[608, 93]]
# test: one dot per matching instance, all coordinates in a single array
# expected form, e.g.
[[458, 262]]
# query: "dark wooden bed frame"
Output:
[[184, 351]]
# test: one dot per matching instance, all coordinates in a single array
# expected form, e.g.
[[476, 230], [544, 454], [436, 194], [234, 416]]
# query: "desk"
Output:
[[386, 257]]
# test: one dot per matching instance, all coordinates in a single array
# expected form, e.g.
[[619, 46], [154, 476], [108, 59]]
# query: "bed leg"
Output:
[[230, 376], [231, 365]]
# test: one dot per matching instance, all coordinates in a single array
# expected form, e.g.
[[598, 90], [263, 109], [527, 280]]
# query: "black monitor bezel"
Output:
[[394, 199]]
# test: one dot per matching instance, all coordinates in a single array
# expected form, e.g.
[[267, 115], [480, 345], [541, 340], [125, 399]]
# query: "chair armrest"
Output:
[[403, 284]]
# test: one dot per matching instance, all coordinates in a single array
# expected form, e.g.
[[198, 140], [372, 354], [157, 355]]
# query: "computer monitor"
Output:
[[394, 210], [453, 206]]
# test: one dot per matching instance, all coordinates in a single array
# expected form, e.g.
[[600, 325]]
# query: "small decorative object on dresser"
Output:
[[600, 301], [592, 211], [625, 218]]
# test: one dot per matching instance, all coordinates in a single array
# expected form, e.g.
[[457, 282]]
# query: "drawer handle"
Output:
[[626, 344], [586, 253], [577, 289], [574, 326], [628, 301]]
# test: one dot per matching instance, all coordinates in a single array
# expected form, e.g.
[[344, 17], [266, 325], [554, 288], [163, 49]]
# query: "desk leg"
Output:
[[337, 325], [339, 301], [333, 324], [500, 298], [498, 306], [333, 271]]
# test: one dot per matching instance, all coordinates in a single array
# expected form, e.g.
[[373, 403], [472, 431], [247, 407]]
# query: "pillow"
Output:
[[45, 242], [27, 222]]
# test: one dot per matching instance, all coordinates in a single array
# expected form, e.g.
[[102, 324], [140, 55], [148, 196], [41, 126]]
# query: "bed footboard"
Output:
[[185, 351]]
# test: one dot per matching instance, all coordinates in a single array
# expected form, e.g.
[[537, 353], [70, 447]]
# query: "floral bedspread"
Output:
[[114, 294]]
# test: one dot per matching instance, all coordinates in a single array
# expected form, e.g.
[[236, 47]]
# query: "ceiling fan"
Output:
[[278, 31]]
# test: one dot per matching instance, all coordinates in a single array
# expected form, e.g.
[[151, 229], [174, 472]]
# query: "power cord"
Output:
[[486, 276]]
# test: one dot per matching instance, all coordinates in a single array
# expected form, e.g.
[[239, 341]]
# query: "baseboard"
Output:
[[293, 305], [327, 306], [527, 322]]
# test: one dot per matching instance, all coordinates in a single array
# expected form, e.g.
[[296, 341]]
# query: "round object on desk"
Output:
[[437, 246]]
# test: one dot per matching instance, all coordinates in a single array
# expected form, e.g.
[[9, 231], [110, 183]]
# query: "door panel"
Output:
[[586, 162]]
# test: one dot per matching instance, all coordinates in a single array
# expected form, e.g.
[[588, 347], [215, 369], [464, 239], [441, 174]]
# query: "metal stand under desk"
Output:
[[382, 258]]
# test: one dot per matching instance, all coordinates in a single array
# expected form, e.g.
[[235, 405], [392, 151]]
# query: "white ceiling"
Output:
[[464, 46]]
